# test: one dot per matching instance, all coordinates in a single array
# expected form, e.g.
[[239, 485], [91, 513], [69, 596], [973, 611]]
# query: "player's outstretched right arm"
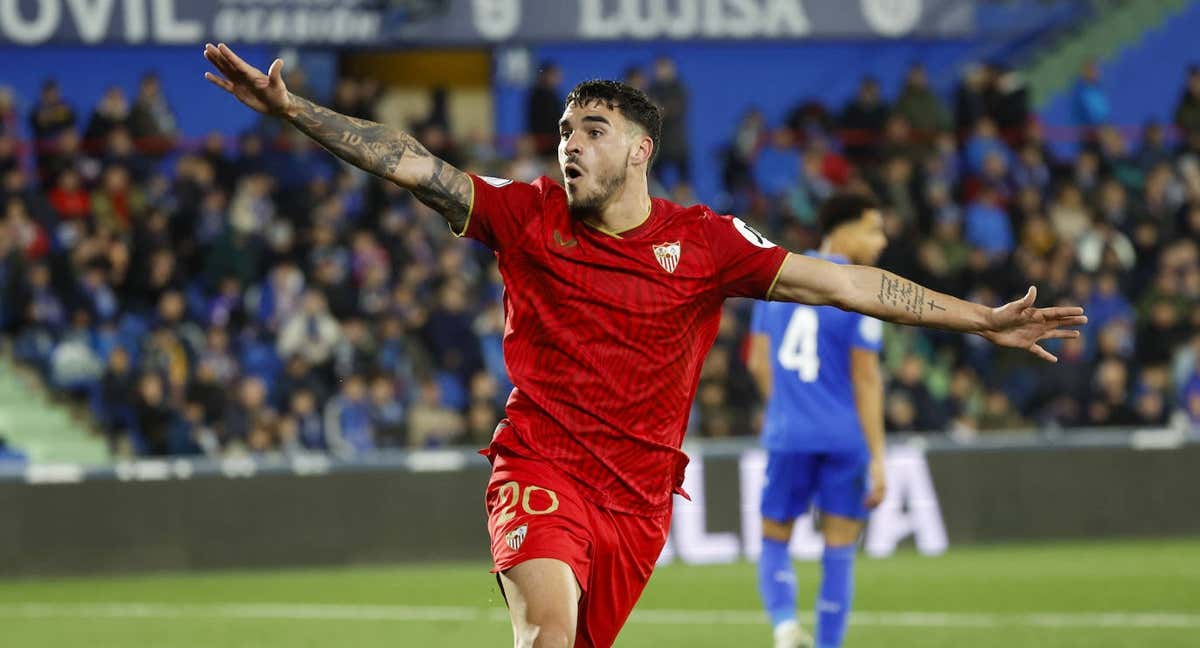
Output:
[[384, 151]]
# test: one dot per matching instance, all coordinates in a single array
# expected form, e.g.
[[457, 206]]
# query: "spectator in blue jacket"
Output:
[[1089, 103], [348, 426], [988, 227]]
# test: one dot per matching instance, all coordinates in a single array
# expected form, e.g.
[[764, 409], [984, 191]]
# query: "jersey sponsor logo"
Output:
[[558, 238], [667, 255], [751, 234], [496, 182], [515, 537]]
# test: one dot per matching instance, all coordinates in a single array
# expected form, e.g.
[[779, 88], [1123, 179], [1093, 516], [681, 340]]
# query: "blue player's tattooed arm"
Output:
[[892, 298]]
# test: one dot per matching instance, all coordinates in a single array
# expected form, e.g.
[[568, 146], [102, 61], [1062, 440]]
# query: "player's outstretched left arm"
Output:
[[889, 297]]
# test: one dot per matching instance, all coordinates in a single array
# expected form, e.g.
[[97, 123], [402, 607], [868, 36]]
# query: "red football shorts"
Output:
[[535, 511]]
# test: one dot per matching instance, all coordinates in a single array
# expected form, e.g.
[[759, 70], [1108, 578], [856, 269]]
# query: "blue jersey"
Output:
[[812, 404]]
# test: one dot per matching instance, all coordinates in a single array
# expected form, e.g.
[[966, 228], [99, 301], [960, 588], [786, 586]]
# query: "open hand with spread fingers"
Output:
[[1020, 325], [265, 93]]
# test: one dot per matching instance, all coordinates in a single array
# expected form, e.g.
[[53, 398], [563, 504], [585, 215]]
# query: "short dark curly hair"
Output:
[[842, 208], [632, 103]]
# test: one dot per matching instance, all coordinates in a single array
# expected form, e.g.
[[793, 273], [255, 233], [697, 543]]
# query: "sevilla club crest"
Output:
[[515, 537], [667, 255]]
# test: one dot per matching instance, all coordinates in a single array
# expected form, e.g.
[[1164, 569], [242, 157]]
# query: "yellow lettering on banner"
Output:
[[550, 509]]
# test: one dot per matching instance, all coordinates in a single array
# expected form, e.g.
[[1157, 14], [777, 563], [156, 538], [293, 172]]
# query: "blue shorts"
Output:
[[837, 479]]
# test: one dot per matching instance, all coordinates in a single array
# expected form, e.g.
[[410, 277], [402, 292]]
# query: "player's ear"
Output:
[[643, 149]]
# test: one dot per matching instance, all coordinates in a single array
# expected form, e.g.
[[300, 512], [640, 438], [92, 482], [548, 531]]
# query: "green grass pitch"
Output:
[[1097, 594]]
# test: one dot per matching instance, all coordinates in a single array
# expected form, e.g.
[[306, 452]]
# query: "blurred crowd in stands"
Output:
[[258, 296]]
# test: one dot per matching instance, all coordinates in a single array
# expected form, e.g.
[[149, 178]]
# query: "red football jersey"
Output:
[[605, 335]]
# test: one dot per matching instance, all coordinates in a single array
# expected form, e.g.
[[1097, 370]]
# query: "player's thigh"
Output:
[[626, 550], [788, 487], [543, 603], [541, 545], [842, 486]]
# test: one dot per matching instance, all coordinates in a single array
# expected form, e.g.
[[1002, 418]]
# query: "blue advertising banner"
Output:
[[470, 22]]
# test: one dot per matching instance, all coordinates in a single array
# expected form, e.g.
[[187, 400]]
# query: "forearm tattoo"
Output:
[[448, 191], [905, 295], [379, 149], [367, 145]]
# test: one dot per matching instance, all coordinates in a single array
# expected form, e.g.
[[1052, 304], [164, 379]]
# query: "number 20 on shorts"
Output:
[[511, 493]]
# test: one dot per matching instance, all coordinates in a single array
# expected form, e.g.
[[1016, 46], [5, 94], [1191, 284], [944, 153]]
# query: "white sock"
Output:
[[784, 627]]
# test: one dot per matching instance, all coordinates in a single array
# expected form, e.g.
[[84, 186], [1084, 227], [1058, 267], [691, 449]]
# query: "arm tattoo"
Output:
[[906, 295], [372, 147], [447, 191], [379, 149]]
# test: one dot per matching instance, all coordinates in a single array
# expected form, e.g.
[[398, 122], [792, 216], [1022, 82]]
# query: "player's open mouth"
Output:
[[572, 172]]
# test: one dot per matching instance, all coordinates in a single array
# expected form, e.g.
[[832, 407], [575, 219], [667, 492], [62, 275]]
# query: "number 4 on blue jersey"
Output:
[[812, 405]]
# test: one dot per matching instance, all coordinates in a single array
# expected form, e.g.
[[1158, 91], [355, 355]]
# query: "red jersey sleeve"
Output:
[[747, 263], [500, 209]]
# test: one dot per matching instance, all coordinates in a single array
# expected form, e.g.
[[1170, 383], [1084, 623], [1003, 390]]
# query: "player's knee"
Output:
[[844, 533], [834, 541], [552, 634], [775, 530]]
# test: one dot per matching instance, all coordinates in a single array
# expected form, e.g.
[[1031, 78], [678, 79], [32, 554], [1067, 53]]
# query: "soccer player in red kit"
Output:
[[612, 300]]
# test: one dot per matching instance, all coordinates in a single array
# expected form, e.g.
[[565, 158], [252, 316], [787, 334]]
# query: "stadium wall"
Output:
[[180, 515]]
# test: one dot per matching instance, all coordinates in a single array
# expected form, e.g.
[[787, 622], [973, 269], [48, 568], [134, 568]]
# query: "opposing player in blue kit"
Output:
[[818, 368]]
